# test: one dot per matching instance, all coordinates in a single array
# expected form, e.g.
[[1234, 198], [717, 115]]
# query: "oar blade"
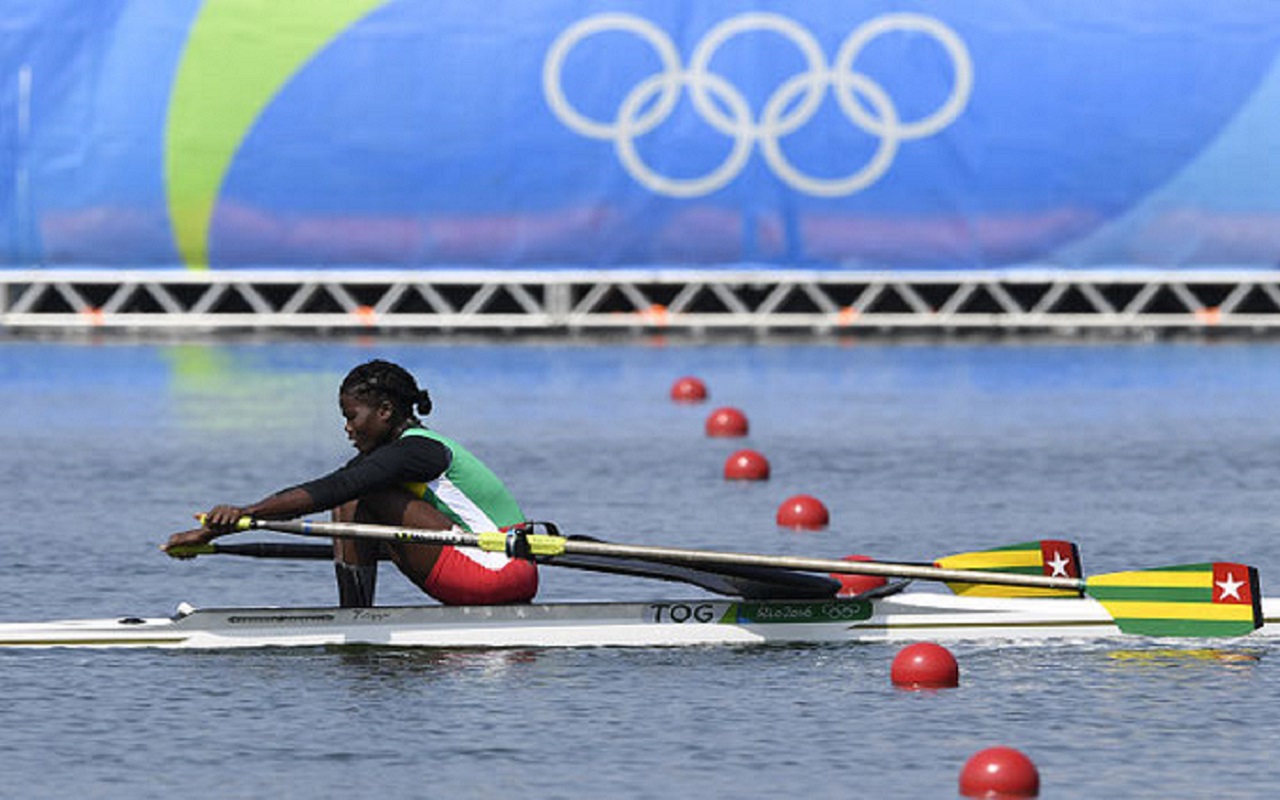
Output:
[[1191, 600], [190, 550], [1049, 557]]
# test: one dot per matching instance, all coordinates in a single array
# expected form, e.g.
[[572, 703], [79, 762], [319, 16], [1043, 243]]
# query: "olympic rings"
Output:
[[792, 105]]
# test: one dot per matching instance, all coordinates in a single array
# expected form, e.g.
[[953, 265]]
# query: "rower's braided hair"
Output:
[[378, 380]]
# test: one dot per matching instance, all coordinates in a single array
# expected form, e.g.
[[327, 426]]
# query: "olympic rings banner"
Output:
[[547, 134]]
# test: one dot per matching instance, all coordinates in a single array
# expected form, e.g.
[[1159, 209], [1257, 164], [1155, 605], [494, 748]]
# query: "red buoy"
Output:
[[727, 422], [925, 665], [999, 772], [854, 585], [746, 465], [803, 512], [688, 390]]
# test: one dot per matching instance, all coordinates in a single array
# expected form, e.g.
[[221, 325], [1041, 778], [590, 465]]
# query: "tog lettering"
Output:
[[682, 612]]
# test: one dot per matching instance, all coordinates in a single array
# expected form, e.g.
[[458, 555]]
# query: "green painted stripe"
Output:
[[1022, 547], [1203, 567], [730, 615], [1185, 627], [1154, 594]]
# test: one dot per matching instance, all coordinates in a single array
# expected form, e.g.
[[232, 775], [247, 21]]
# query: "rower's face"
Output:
[[367, 426]]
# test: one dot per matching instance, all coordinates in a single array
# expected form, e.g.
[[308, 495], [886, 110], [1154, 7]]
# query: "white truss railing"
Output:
[[765, 300]]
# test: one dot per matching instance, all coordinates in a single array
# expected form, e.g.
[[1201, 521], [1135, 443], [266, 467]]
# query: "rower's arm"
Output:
[[409, 459], [413, 459], [285, 504], [224, 519]]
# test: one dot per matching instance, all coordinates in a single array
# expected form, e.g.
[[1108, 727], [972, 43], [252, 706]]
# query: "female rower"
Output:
[[405, 475]]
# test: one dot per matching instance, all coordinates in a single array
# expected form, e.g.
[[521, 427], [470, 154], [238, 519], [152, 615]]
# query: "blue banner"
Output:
[[657, 134]]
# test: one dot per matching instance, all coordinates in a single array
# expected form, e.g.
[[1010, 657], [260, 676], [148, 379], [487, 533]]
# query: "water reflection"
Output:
[[224, 389], [1178, 657], [399, 664]]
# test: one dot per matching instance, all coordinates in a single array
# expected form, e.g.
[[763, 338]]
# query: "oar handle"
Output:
[[243, 524]]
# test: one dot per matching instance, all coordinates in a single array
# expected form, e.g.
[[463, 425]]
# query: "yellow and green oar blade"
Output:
[[1049, 557], [1210, 599], [191, 550]]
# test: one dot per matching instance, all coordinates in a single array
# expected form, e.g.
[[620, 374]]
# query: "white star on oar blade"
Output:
[[1059, 564], [1230, 587]]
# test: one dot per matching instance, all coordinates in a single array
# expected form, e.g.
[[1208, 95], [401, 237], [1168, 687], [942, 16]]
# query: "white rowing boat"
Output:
[[780, 601], [914, 615]]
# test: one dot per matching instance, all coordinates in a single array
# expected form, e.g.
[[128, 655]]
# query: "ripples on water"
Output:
[[1142, 454]]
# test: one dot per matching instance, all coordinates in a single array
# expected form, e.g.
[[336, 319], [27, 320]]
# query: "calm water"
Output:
[[1143, 454]]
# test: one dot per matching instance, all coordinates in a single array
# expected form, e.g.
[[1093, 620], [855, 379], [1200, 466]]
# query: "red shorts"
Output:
[[459, 580]]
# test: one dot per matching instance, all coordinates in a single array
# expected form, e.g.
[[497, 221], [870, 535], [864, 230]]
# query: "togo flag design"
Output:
[[1051, 557], [1211, 599]]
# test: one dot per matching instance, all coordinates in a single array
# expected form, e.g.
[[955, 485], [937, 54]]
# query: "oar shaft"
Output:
[[805, 564], [276, 550], [362, 530], [554, 545]]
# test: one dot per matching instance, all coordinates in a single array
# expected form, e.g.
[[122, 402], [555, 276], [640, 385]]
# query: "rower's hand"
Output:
[[185, 540], [222, 519]]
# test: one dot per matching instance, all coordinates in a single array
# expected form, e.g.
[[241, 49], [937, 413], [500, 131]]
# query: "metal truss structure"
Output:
[[450, 301]]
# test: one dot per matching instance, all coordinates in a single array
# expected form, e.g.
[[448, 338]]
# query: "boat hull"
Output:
[[902, 617]]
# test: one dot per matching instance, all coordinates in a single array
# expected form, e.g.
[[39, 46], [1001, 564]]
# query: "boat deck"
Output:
[[906, 616]]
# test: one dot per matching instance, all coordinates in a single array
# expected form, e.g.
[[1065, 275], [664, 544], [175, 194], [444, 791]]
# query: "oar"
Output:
[[1040, 557], [284, 550], [1209, 599], [747, 583]]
